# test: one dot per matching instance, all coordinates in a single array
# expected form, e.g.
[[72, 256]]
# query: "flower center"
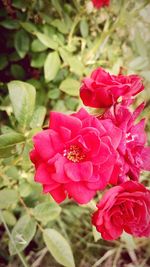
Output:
[[74, 153]]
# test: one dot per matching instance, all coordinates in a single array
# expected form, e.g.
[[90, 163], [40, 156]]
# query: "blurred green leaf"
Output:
[[25, 189], [84, 28], [46, 212], [21, 43], [51, 66], [11, 138], [17, 71], [22, 96], [10, 24], [38, 60], [46, 40], [76, 66], [3, 62], [10, 219], [8, 197], [96, 235], [29, 27], [38, 117], [58, 247], [22, 234], [70, 86], [138, 63], [60, 25], [54, 93], [37, 46]]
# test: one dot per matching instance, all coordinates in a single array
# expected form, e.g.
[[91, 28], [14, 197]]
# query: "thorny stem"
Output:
[[12, 240]]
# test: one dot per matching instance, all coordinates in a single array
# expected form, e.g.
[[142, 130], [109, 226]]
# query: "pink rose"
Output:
[[102, 89], [134, 154], [100, 3], [125, 207], [75, 156]]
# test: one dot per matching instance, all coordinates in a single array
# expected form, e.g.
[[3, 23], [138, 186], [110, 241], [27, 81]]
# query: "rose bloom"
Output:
[[101, 89], [100, 3], [134, 154], [75, 156], [124, 207]]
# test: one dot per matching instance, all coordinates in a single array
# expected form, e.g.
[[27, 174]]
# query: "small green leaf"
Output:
[[54, 93], [3, 62], [9, 217], [22, 96], [51, 66], [37, 46], [11, 138], [46, 40], [138, 63], [76, 66], [8, 142], [38, 117], [10, 24], [84, 28], [58, 247], [17, 71], [29, 27], [21, 43], [60, 25], [70, 86], [7, 152], [25, 189], [8, 197], [22, 234], [46, 212], [38, 60], [96, 234]]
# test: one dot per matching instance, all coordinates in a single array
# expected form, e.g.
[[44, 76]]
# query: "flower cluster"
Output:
[[80, 154]]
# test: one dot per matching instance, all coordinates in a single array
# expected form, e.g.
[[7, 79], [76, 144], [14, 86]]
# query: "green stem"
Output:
[[12, 240]]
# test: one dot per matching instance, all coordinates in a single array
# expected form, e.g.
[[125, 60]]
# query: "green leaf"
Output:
[[17, 71], [60, 25], [9, 217], [58, 247], [38, 117], [22, 96], [51, 66], [76, 66], [7, 152], [37, 46], [10, 24], [54, 93], [46, 40], [22, 234], [25, 189], [138, 63], [8, 197], [96, 234], [8, 142], [38, 60], [3, 62], [29, 27], [11, 138], [70, 86], [46, 212], [84, 28], [21, 43]]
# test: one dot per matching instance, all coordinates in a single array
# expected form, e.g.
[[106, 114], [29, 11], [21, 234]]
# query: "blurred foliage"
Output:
[[50, 46]]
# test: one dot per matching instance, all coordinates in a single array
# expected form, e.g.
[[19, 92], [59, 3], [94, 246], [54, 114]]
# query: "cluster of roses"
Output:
[[80, 154]]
